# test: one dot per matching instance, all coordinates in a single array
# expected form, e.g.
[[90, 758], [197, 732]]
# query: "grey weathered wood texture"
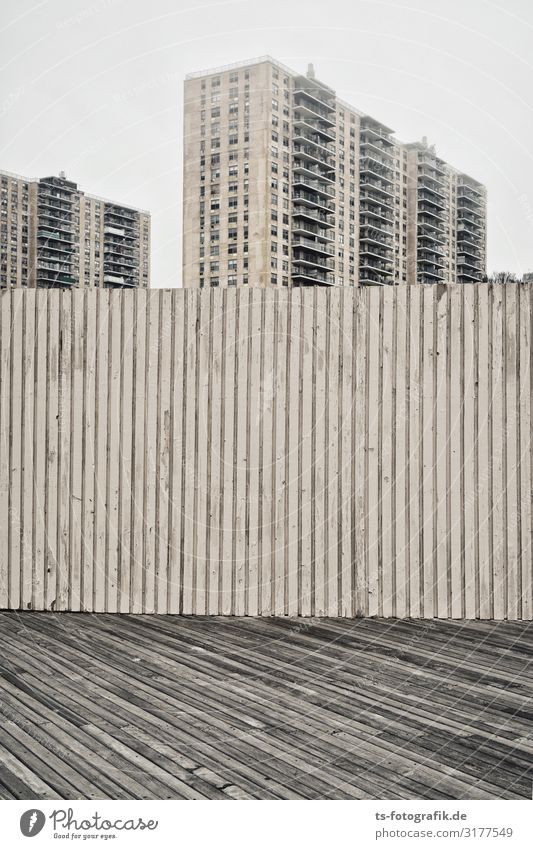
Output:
[[253, 452], [167, 707]]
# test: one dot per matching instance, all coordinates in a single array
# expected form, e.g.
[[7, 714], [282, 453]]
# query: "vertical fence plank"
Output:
[[253, 501], [346, 457], [89, 457], [64, 488], [151, 423], [241, 455], [39, 451], [387, 571], [359, 449], [399, 494], [126, 408], [52, 449], [5, 413], [292, 406], [455, 581], [138, 451], [428, 430], [266, 425], [469, 482], [373, 441], [178, 354], [512, 454], [215, 454], [202, 394], [28, 412], [440, 442], [76, 449], [333, 566], [483, 456], [278, 457], [163, 452], [15, 448], [113, 456], [305, 429], [525, 399], [101, 437], [498, 436], [229, 353], [188, 574], [415, 446], [318, 468]]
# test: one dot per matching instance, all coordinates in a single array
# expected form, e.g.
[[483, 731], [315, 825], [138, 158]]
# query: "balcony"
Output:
[[428, 275], [373, 145], [322, 248], [371, 187], [114, 231], [374, 132], [314, 112], [309, 154], [313, 215], [311, 277], [313, 171], [375, 265], [55, 236], [304, 258], [120, 212], [428, 196], [311, 128], [374, 236], [375, 212], [320, 189], [371, 165], [315, 141], [303, 228], [313, 201], [315, 96]]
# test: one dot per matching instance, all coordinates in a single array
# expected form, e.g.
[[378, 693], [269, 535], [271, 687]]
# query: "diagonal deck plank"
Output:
[[133, 706]]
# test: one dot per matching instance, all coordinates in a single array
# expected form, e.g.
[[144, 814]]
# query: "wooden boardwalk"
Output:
[[130, 706]]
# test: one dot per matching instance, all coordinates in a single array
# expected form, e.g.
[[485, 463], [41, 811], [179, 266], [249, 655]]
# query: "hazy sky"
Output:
[[95, 89]]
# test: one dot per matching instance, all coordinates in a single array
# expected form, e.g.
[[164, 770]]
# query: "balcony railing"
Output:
[[305, 258], [312, 276], [316, 130], [314, 201], [319, 188], [314, 215], [323, 103], [309, 152], [305, 168], [314, 112], [320, 247], [306, 228]]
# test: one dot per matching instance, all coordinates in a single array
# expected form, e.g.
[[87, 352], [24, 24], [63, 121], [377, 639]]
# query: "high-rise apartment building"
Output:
[[285, 184], [53, 234]]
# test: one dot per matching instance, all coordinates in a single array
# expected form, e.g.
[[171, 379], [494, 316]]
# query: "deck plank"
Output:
[[146, 706]]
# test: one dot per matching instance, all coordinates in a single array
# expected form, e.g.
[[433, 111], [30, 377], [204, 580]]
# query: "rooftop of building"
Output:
[[259, 60], [61, 178]]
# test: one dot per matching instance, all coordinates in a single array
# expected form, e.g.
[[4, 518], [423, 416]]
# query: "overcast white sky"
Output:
[[95, 89]]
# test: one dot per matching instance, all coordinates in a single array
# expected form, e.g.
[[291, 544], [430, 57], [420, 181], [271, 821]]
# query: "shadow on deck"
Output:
[[126, 706]]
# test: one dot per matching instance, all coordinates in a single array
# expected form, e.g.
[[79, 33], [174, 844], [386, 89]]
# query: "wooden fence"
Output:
[[254, 452]]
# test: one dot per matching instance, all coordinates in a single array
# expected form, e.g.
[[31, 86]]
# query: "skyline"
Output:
[[116, 127]]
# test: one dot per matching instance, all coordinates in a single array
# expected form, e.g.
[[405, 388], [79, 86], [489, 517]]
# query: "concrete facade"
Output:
[[285, 184], [53, 234]]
